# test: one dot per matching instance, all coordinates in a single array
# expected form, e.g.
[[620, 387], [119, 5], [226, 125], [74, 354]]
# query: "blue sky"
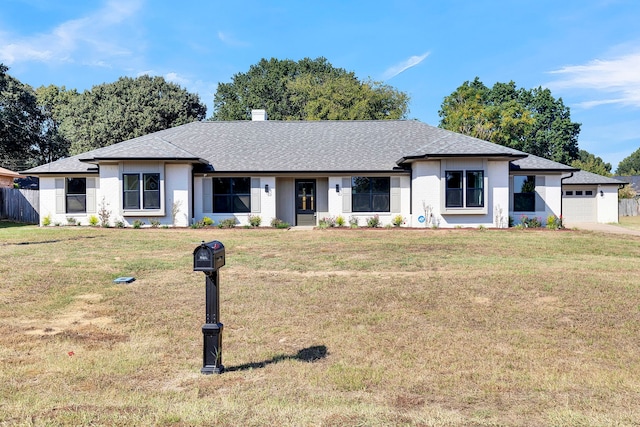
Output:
[[587, 52]]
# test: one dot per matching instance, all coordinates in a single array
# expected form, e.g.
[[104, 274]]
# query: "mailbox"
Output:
[[208, 256]]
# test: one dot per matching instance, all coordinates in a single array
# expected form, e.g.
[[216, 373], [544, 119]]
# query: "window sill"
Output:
[[146, 213], [464, 211]]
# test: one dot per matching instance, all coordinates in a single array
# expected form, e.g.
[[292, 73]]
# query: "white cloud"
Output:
[[610, 81], [176, 78], [228, 39], [403, 66], [94, 39]]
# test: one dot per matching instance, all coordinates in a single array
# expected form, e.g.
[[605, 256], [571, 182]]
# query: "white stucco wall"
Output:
[[607, 203], [548, 199]]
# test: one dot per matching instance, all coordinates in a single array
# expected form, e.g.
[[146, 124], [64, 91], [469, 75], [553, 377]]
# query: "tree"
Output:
[[528, 120], [128, 108], [591, 163], [630, 165], [27, 138], [310, 89]]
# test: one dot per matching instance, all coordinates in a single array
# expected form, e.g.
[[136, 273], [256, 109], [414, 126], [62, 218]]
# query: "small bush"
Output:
[[373, 221], [527, 222], [207, 222], [72, 221], [154, 223], [255, 220], [46, 221], [554, 223], [340, 222], [353, 222], [93, 220], [137, 223], [227, 223], [119, 224], [278, 223], [397, 221], [326, 222]]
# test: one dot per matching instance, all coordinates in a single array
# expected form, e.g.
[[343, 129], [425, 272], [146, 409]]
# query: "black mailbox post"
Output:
[[209, 258]]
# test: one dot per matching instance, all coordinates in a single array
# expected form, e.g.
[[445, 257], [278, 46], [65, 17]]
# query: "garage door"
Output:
[[579, 204]]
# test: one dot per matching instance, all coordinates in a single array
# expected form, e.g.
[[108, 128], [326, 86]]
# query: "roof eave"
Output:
[[501, 156]]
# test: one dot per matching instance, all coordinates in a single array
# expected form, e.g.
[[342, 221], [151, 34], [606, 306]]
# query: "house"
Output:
[[7, 177], [302, 171]]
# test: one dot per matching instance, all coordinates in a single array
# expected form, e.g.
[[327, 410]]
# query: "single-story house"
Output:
[[6, 177], [302, 171]]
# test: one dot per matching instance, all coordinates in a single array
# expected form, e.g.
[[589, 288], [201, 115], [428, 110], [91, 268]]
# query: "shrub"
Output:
[[278, 223], [340, 221], [255, 220], [326, 222], [93, 220], [374, 221], [527, 222], [397, 221], [353, 222], [154, 223], [207, 222], [119, 224], [46, 221], [137, 223], [227, 223], [105, 214], [554, 223], [71, 221]]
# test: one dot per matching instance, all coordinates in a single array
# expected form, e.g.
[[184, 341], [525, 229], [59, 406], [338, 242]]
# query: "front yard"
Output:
[[321, 327]]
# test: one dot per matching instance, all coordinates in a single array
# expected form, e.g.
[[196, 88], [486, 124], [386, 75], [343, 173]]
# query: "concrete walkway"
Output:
[[604, 228]]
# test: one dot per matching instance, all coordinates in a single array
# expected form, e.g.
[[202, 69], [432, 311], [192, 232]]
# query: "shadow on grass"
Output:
[[309, 354], [11, 224]]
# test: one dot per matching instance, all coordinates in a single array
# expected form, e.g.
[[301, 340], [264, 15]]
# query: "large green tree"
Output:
[[630, 165], [591, 163], [27, 132], [309, 89], [128, 108], [528, 120]]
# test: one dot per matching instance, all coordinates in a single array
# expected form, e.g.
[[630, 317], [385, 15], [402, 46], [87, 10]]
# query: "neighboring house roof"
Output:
[[9, 173], [632, 180], [68, 165], [535, 163], [588, 178]]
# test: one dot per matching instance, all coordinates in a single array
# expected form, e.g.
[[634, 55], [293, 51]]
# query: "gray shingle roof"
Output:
[[300, 146], [532, 163], [588, 178]]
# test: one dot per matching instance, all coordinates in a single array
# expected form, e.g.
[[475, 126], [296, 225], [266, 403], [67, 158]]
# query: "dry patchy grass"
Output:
[[326, 328], [630, 222]]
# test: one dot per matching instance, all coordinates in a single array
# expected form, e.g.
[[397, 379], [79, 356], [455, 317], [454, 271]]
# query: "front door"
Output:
[[306, 202]]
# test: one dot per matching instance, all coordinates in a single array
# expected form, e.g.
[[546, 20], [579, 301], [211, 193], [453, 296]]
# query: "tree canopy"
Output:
[[309, 89], [591, 163], [532, 120], [27, 132], [630, 165], [125, 109]]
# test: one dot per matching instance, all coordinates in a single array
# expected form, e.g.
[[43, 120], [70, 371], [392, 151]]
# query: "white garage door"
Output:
[[579, 204]]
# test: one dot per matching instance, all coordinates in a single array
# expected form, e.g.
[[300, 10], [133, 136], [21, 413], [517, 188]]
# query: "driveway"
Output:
[[604, 228]]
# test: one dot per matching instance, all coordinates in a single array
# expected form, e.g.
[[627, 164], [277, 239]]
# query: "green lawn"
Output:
[[321, 327]]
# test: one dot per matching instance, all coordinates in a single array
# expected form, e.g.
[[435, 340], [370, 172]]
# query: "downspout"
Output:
[[562, 192]]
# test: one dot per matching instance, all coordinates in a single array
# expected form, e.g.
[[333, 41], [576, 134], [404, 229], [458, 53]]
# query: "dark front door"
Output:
[[306, 202]]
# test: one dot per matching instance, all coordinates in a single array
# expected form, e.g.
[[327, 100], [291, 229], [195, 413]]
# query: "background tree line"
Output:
[[42, 125]]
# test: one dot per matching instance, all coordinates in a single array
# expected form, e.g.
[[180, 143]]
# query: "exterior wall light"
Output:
[[601, 193], [337, 188], [266, 188]]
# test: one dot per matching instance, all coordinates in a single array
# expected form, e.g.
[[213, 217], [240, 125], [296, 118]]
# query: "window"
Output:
[[150, 184], [569, 193], [231, 195], [464, 189], [578, 192], [588, 193], [524, 193], [370, 194], [76, 196]]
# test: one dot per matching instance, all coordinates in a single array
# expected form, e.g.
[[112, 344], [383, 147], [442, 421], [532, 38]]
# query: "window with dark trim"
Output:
[[76, 195], [231, 195], [524, 193], [370, 194], [132, 197], [464, 189]]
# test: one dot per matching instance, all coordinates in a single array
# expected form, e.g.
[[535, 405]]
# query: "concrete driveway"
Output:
[[603, 228]]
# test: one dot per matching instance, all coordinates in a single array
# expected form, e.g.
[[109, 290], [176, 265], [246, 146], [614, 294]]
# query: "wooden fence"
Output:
[[629, 207], [20, 205]]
